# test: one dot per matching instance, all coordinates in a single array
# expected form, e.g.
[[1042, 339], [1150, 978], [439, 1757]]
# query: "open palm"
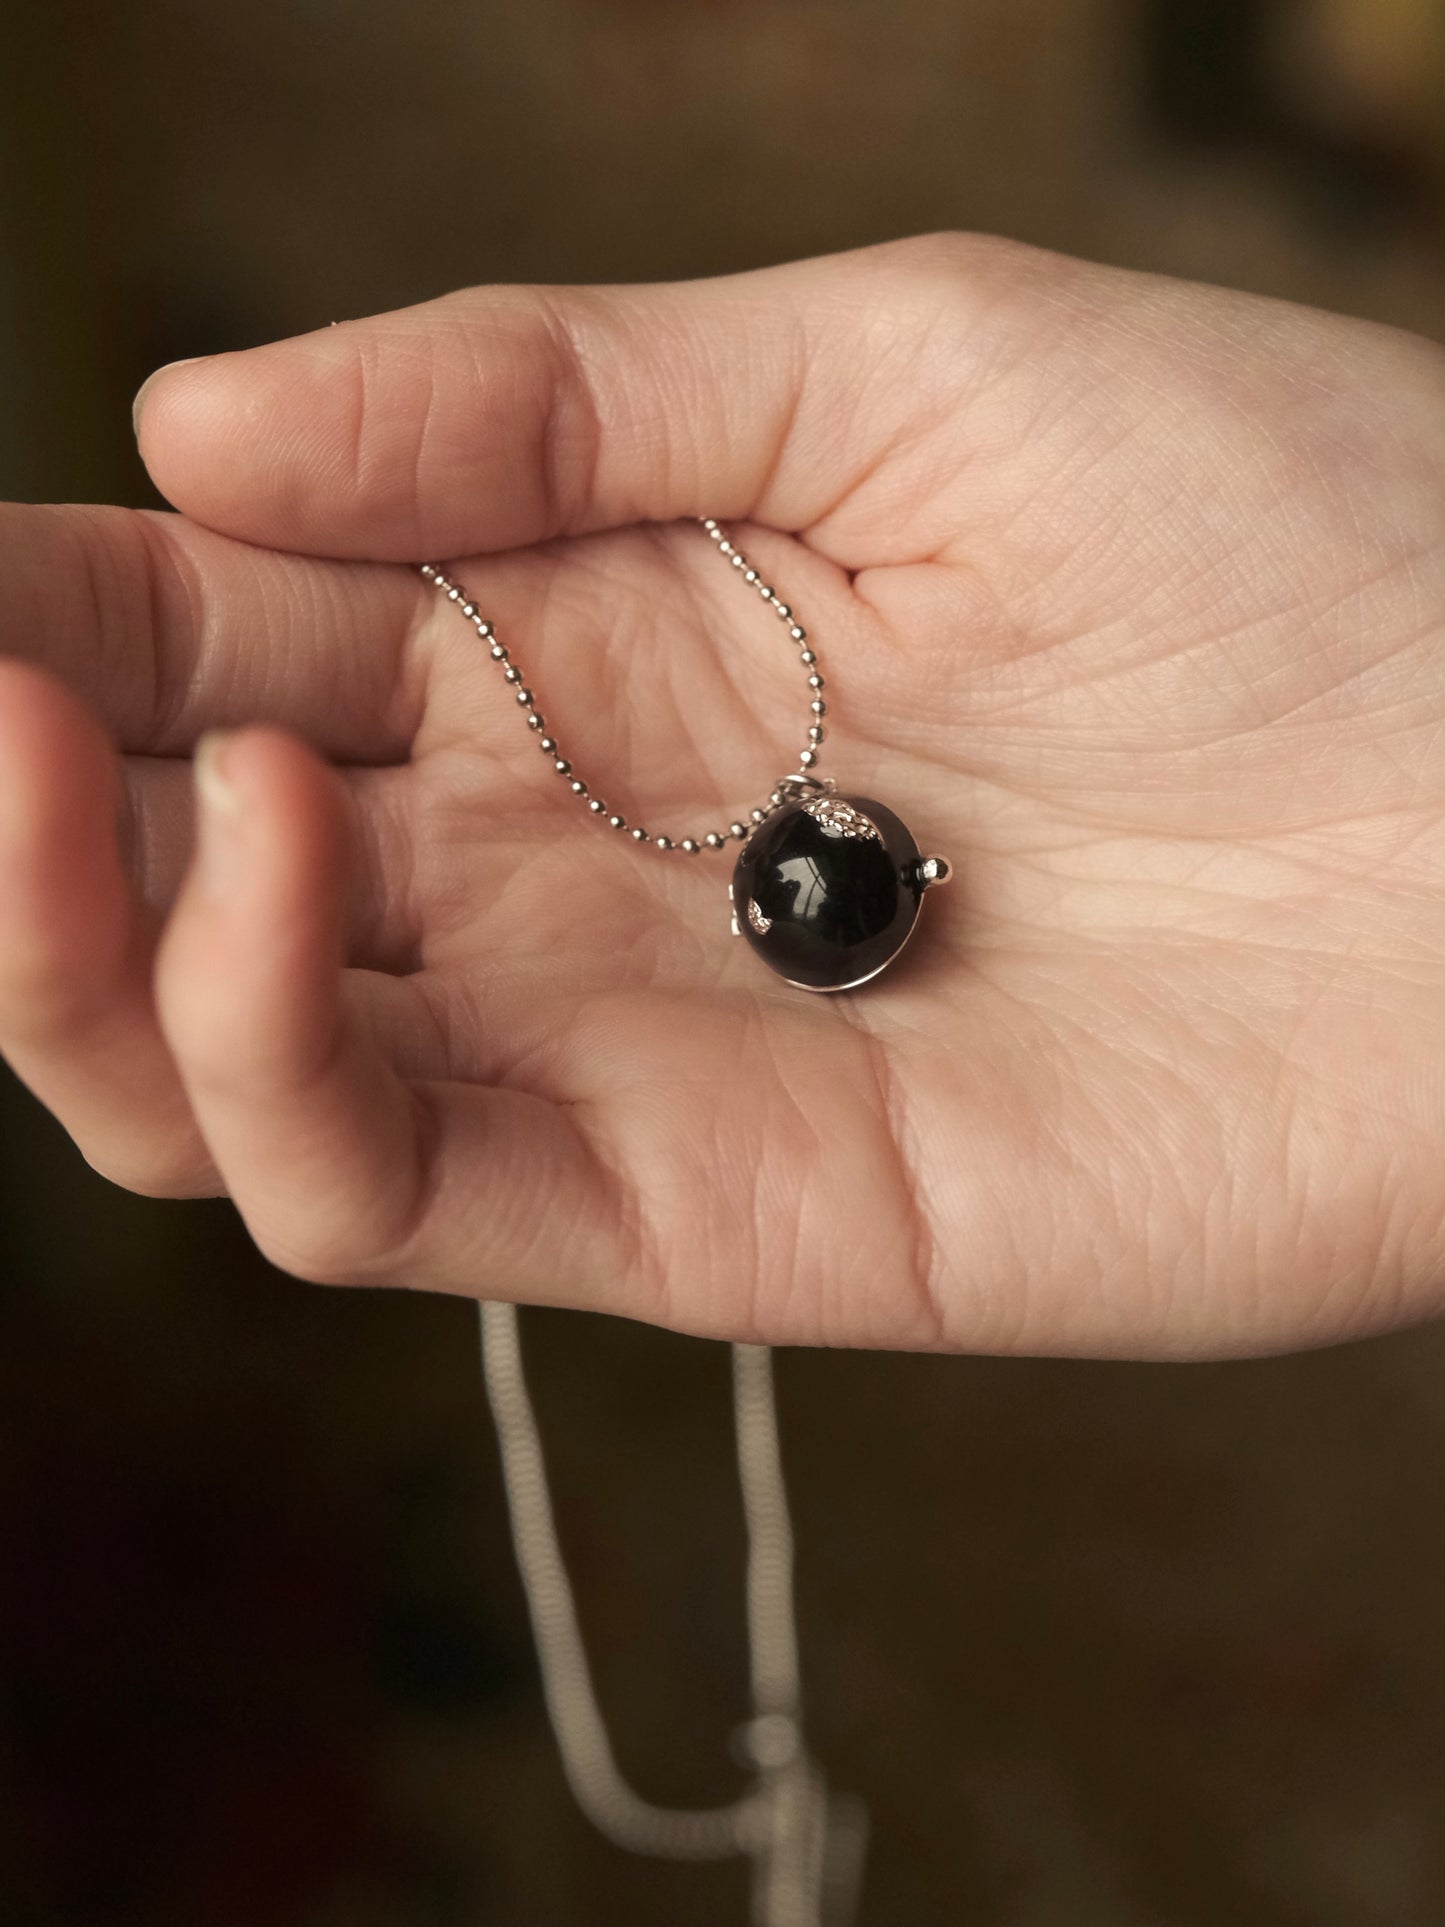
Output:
[[1130, 597]]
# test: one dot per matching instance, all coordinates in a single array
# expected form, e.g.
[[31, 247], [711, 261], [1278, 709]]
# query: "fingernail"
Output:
[[186, 361], [218, 817]]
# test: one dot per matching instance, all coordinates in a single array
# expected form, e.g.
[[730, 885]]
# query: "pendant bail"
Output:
[[801, 785]]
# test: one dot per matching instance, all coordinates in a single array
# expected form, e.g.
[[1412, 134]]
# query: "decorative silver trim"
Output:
[[842, 819]]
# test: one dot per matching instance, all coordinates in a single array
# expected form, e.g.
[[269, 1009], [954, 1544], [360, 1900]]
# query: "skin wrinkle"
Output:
[[1000, 1295], [779, 1281], [101, 576], [399, 1258], [136, 836], [360, 414], [99, 572], [727, 659], [1238, 890], [641, 1203], [601, 659], [1155, 775], [873, 457], [453, 904], [787, 701], [446, 730], [373, 364], [1235, 538], [746, 717], [1184, 1224], [922, 1267], [639, 1263], [408, 681], [735, 665], [569, 400], [933, 480], [680, 388], [417, 469], [876, 465], [158, 560], [757, 407], [799, 1130], [1355, 1285], [176, 575], [698, 754], [393, 1012], [1328, 601], [390, 937], [405, 707], [1083, 1188], [1283, 1068], [445, 1012], [788, 1265], [462, 1007], [817, 530], [420, 438], [958, 610], [787, 430], [1127, 670]]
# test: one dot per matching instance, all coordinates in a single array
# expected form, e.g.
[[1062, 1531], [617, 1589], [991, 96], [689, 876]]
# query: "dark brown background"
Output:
[[1102, 1645]]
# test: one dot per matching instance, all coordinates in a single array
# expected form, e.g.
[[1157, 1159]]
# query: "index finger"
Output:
[[167, 630]]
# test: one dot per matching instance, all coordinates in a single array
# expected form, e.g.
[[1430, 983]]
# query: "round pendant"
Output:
[[827, 889]]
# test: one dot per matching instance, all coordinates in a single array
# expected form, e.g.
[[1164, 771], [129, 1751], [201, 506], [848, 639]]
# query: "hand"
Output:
[[1131, 600]]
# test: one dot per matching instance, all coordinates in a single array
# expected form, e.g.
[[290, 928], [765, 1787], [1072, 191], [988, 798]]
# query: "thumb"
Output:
[[503, 416]]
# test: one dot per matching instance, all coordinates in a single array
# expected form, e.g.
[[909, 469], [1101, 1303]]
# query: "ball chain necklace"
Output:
[[826, 890], [805, 1843]]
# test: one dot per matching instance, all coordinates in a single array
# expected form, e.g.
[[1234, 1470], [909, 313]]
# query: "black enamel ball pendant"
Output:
[[827, 889]]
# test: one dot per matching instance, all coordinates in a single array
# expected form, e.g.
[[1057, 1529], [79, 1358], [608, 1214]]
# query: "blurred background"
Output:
[[1101, 1645]]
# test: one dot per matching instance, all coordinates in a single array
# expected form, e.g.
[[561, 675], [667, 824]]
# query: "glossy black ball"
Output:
[[827, 890]]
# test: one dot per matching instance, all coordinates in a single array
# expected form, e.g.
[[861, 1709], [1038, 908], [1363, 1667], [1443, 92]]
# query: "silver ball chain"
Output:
[[805, 1842], [737, 831]]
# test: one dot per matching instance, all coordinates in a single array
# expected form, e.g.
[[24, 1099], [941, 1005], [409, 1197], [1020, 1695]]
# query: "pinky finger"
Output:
[[77, 1022], [345, 1172]]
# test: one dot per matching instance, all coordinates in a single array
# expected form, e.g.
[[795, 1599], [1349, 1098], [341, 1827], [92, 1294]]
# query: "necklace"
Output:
[[805, 1843], [826, 888]]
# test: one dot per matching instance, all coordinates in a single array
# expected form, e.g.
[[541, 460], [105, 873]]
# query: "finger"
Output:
[[168, 630], [502, 416], [343, 1171], [77, 1019], [384, 925]]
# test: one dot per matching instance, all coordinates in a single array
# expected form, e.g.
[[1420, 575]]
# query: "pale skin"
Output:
[[1130, 596]]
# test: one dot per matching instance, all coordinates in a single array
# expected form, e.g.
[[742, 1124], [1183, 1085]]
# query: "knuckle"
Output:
[[963, 265], [566, 423], [388, 406], [972, 304]]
